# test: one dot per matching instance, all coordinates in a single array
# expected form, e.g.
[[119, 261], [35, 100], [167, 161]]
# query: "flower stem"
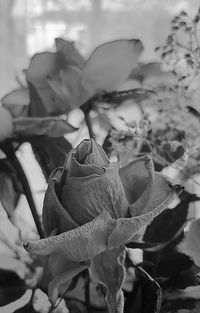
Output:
[[89, 125], [86, 108], [10, 153], [87, 291]]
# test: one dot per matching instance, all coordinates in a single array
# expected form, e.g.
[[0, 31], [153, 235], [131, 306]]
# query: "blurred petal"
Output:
[[42, 66], [127, 229], [67, 86], [54, 215], [111, 64], [17, 101], [68, 54], [79, 244], [108, 269]]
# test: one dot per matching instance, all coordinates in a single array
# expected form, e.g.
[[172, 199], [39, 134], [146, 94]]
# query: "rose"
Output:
[[97, 208]]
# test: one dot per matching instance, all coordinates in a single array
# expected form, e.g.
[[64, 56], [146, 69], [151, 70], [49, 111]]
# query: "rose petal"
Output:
[[111, 64], [79, 244], [87, 197], [90, 152], [144, 189], [87, 159], [108, 269], [81, 170], [54, 215], [127, 228]]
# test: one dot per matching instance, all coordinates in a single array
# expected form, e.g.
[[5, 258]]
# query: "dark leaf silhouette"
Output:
[[193, 111], [146, 296], [28, 308], [177, 267], [167, 224], [10, 186], [12, 287]]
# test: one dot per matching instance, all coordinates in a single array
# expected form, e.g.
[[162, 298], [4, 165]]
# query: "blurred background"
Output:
[[30, 26]]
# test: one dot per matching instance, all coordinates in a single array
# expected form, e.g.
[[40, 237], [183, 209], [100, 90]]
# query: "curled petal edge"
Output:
[[79, 244], [126, 228]]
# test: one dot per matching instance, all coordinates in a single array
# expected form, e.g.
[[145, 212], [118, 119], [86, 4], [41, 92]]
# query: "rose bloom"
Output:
[[95, 208]]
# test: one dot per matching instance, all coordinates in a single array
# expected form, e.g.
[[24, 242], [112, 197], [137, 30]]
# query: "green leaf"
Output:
[[50, 153], [11, 287], [42, 126], [111, 64]]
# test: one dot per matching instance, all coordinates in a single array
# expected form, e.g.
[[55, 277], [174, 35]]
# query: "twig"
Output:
[[89, 125], [86, 108], [87, 291], [10, 153]]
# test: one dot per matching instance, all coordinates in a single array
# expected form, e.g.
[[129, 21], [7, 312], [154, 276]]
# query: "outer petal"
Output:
[[144, 188], [54, 215], [79, 244], [127, 228], [107, 268]]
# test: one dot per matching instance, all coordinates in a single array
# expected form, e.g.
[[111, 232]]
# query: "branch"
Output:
[[86, 108], [10, 153]]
